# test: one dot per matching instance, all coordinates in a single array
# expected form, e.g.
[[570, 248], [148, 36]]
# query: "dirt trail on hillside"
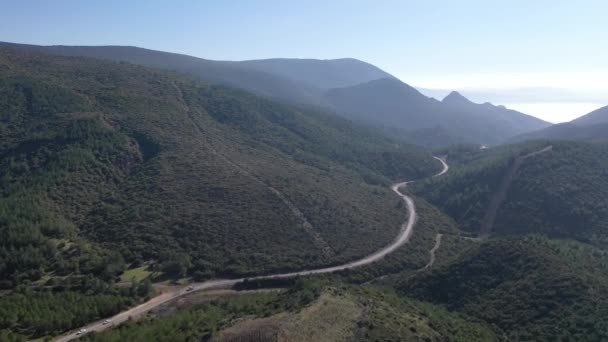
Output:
[[433, 251], [404, 235], [499, 197], [301, 218]]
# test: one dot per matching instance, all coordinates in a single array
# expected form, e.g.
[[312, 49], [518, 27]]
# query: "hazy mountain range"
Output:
[[349, 87], [139, 169]]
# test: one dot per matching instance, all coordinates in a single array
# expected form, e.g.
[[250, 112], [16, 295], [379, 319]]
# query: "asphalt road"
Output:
[[407, 228]]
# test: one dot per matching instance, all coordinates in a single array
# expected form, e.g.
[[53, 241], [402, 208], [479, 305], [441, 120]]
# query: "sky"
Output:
[[546, 58]]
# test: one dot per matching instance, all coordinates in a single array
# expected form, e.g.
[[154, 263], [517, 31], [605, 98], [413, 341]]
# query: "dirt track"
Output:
[[404, 235], [496, 201]]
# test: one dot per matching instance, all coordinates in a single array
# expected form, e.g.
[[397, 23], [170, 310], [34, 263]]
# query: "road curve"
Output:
[[407, 228]]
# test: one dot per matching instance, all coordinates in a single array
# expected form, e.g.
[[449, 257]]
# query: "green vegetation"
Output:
[[306, 311], [531, 289], [104, 165], [137, 274], [159, 167], [354, 89], [561, 194], [415, 254], [558, 193], [51, 313], [203, 321], [395, 318]]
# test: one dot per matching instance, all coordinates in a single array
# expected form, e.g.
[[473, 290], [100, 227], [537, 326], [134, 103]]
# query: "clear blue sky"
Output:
[[466, 45]]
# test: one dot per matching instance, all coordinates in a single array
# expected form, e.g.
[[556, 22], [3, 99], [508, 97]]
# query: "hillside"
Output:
[[354, 89], [599, 116], [323, 74], [491, 123], [115, 176], [531, 289], [567, 131], [392, 103], [147, 140], [107, 166], [308, 311], [589, 127], [559, 192], [216, 72]]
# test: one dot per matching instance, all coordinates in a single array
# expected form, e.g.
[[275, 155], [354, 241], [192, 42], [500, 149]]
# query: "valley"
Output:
[[148, 195], [407, 229]]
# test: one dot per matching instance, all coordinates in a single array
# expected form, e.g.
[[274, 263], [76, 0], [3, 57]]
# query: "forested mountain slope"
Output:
[[352, 88], [560, 193], [531, 289], [215, 72], [106, 165], [157, 166]]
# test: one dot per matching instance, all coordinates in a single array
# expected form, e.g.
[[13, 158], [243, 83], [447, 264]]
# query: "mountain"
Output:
[[554, 188], [107, 166], [524, 95], [590, 127], [392, 103], [503, 119], [323, 74], [487, 122], [354, 89], [182, 145], [216, 72], [295, 80], [386, 101], [599, 116], [530, 289], [567, 131]]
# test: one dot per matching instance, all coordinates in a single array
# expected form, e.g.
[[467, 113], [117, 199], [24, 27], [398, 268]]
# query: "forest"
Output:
[[109, 167], [559, 193], [116, 178], [530, 288]]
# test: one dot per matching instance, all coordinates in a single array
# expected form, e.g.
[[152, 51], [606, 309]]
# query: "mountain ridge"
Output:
[[366, 93], [322, 73], [589, 127], [397, 104]]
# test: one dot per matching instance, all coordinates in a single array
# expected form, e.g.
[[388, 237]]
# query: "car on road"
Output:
[[106, 322], [189, 288], [81, 332]]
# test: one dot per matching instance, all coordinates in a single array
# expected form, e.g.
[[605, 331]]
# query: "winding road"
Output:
[[407, 228]]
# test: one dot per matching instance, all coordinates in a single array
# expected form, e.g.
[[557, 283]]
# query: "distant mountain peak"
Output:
[[454, 98]]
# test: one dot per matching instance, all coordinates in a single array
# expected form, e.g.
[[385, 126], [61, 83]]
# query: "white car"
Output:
[[81, 332], [106, 322], [189, 288]]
